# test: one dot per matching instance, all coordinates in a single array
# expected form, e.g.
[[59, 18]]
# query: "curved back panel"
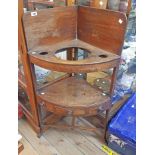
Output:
[[50, 26], [102, 28]]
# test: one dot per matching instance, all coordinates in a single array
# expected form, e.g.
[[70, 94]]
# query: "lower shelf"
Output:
[[72, 93]]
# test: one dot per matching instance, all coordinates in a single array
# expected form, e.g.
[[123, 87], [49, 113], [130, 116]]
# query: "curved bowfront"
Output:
[[96, 60]]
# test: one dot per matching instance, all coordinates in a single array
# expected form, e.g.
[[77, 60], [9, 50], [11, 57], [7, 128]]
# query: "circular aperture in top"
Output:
[[103, 56], [43, 53], [72, 53]]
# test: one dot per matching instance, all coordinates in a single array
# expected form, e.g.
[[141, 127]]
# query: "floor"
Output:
[[59, 142]]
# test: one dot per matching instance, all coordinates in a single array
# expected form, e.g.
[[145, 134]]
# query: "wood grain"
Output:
[[28, 149], [61, 143], [82, 143], [42, 146], [74, 141], [101, 28], [100, 31], [50, 26], [90, 136], [26, 66], [72, 93], [94, 61]]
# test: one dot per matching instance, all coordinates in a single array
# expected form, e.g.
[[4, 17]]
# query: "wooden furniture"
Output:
[[102, 4], [26, 89], [20, 147], [98, 33], [26, 93]]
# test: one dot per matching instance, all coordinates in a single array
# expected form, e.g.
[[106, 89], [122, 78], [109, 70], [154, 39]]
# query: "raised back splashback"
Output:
[[101, 28], [50, 26]]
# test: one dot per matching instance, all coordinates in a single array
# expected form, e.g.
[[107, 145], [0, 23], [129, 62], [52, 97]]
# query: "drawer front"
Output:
[[54, 109]]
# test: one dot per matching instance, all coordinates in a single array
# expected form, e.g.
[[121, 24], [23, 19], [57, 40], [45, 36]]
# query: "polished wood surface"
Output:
[[72, 92], [96, 30], [27, 72], [73, 97], [102, 28], [50, 26], [97, 58]]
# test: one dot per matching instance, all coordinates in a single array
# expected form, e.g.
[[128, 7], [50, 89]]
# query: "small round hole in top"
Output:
[[43, 53], [103, 56]]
